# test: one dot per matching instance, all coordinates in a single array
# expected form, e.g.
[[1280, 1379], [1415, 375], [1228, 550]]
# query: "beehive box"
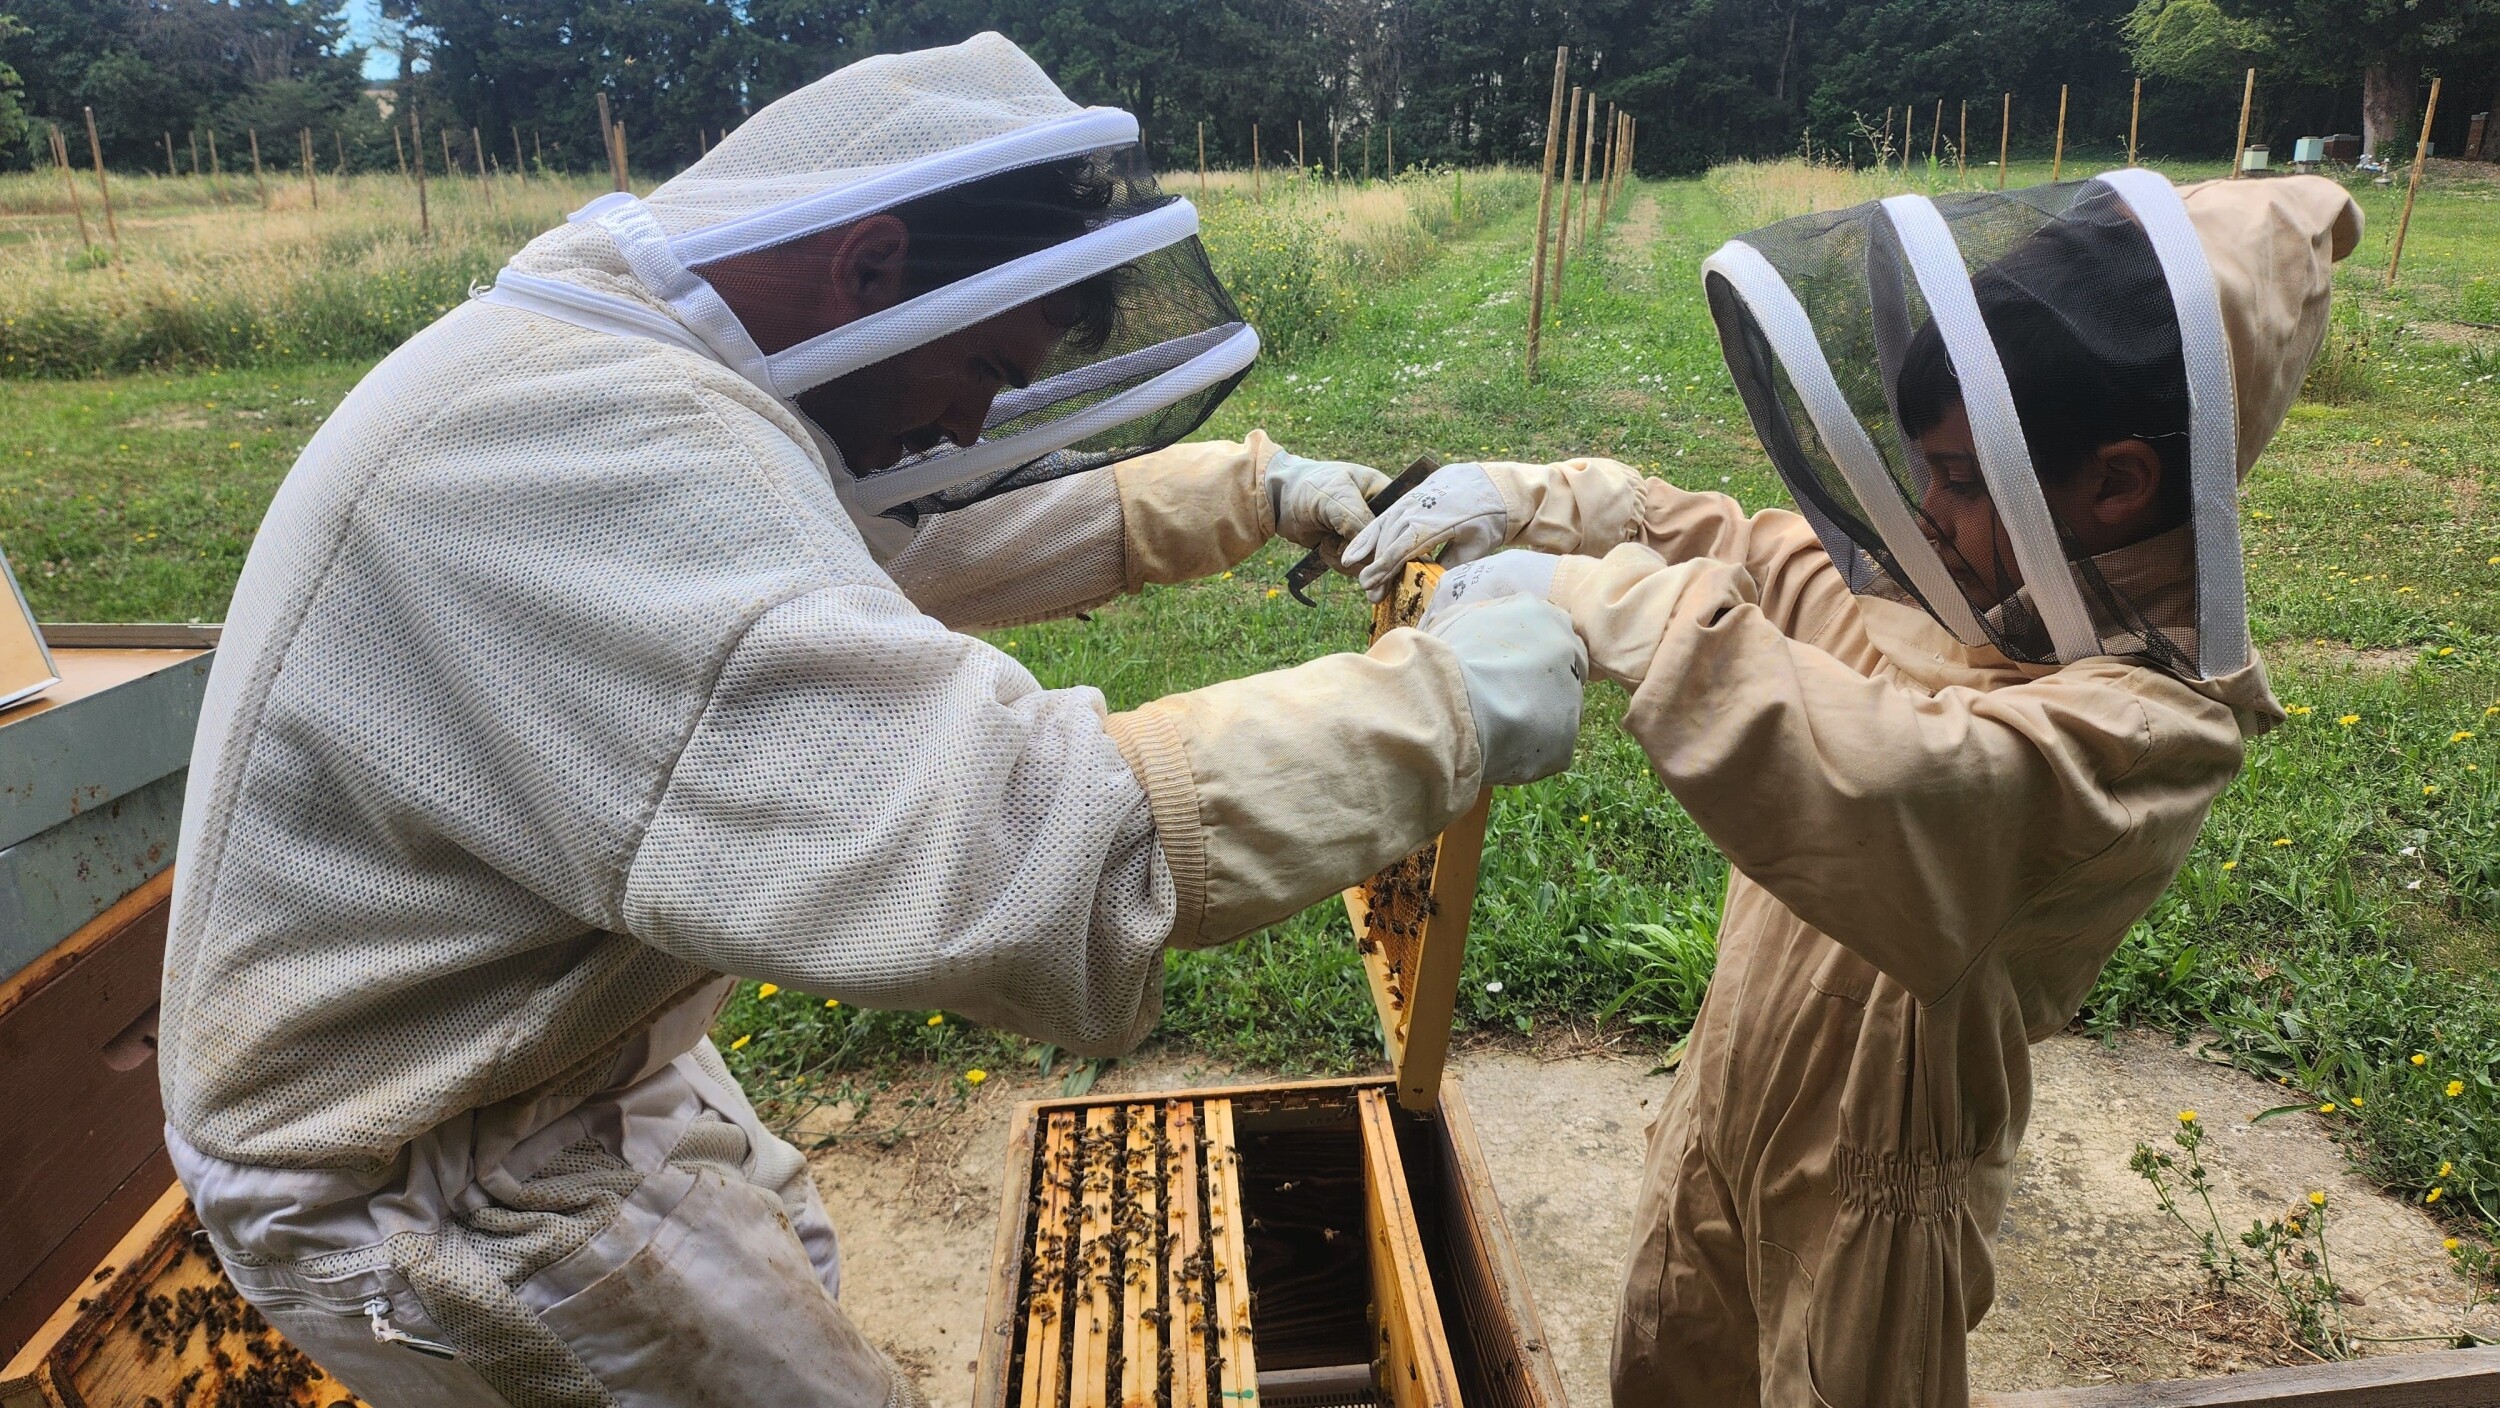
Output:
[[1296, 1245], [159, 1326]]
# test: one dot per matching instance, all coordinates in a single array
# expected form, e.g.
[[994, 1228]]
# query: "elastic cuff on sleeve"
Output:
[[1153, 750]]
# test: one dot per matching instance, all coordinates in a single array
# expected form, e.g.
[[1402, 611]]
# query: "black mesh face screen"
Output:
[[2077, 326]]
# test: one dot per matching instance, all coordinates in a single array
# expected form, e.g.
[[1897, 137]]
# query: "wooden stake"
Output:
[[1883, 154], [608, 143], [451, 168], [341, 144], [2057, 162], [2421, 149], [1961, 148], [1367, 156], [170, 168], [520, 163], [1390, 141], [1544, 210], [1562, 232], [624, 159], [259, 187], [1935, 134], [2005, 138], [216, 169], [312, 179], [1301, 168], [1336, 154], [1202, 161], [1606, 168], [95, 148], [2135, 115], [2248, 100], [538, 147], [69, 179], [416, 139], [195, 151], [1258, 187], [399, 148], [1588, 155], [477, 151]]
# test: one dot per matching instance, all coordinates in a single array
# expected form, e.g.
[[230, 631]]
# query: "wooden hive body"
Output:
[[1301, 1245]]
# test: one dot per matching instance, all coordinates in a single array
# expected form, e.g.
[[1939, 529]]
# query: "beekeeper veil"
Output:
[[1929, 376], [1015, 197]]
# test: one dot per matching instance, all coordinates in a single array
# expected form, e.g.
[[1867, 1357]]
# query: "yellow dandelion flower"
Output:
[[832, 1002], [2447, 650], [2187, 1117], [2299, 711], [2455, 1089], [2282, 840], [937, 1019], [2492, 561], [2461, 735], [741, 1043], [2349, 720], [1273, 593], [2420, 1058], [2400, 591], [768, 989], [2327, 1109], [2449, 1244], [2429, 787], [1228, 576], [2317, 1200], [2356, 1102], [975, 1076], [231, 445], [2433, 1195], [2230, 865], [2446, 1167]]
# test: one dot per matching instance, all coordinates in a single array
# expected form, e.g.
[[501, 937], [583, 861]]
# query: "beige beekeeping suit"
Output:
[[1933, 851], [563, 682]]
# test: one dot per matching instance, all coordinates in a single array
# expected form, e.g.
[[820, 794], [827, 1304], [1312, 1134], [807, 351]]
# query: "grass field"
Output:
[[2339, 920]]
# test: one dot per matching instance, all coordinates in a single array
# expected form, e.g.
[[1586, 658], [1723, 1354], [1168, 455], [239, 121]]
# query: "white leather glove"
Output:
[[1516, 572], [1458, 507], [1524, 667], [1320, 503]]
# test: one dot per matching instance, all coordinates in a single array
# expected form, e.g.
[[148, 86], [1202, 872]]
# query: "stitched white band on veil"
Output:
[[1790, 332], [2213, 416], [935, 473], [1110, 371], [969, 300], [589, 308], [1935, 260], [1092, 130]]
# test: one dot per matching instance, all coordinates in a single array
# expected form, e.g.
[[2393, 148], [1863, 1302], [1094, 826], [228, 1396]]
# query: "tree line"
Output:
[[1326, 81]]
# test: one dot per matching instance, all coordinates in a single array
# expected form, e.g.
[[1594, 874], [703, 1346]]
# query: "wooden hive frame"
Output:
[[1410, 920]]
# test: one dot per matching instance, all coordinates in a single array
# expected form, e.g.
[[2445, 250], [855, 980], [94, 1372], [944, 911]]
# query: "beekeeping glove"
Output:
[[1319, 504], [1572, 506], [1524, 667], [1516, 572], [1458, 509]]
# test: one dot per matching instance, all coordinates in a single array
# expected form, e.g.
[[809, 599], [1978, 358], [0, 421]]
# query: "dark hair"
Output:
[[2083, 323], [982, 224]]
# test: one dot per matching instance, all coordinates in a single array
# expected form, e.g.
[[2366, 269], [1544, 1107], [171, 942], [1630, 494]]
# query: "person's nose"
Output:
[[965, 418]]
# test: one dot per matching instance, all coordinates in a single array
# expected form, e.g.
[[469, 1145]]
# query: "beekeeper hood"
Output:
[[1042, 203], [2058, 322]]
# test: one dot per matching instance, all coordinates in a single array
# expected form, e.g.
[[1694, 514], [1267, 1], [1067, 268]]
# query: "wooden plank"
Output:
[[1237, 1377], [2449, 1378], [1141, 1227], [1046, 1305], [1493, 1287], [79, 1105], [63, 1276], [1089, 1333], [95, 933], [1185, 1255], [1412, 1349], [1017, 1206], [1410, 921]]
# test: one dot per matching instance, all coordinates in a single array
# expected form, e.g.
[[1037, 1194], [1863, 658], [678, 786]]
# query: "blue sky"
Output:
[[363, 18]]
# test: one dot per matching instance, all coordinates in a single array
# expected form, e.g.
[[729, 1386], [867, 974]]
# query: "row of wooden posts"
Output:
[[2135, 114], [1580, 153], [1621, 130]]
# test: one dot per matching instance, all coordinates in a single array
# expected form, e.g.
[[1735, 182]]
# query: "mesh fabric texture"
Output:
[[559, 680], [2083, 333]]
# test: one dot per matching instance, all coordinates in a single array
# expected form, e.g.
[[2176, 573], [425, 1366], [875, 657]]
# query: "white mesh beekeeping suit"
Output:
[[2025, 314]]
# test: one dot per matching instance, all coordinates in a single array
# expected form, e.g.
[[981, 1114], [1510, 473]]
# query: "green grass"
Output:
[[2336, 919]]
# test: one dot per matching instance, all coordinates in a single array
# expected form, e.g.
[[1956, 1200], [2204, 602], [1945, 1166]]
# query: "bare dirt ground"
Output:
[[2092, 1285]]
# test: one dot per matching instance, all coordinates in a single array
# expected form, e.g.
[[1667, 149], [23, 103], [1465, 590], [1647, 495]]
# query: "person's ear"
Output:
[[2126, 483], [867, 272]]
